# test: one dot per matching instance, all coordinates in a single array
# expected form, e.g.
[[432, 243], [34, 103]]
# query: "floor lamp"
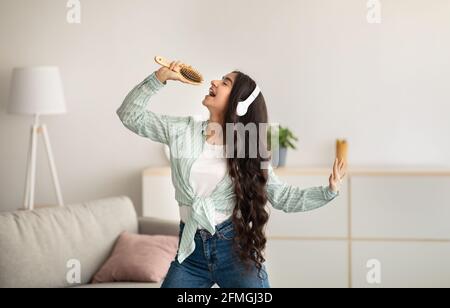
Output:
[[37, 91]]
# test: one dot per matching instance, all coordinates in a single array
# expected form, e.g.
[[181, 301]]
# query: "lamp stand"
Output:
[[36, 130]]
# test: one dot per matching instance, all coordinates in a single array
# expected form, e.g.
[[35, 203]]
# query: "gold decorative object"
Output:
[[342, 150]]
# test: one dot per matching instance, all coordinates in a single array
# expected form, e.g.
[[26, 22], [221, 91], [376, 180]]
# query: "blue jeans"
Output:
[[214, 261]]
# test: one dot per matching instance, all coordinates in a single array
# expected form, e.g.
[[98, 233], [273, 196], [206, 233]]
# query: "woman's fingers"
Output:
[[335, 178], [177, 66], [335, 170], [173, 65], [173, 68]]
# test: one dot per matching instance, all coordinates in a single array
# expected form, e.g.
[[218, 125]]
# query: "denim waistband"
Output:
[[219, 227]]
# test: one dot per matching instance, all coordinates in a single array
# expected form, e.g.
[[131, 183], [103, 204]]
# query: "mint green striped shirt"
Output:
[[186, 137]]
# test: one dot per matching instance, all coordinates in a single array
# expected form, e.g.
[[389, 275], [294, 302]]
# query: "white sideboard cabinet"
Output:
[[388, 228]]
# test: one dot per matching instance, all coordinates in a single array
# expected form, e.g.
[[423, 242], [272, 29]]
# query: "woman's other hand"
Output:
[[338, 174]]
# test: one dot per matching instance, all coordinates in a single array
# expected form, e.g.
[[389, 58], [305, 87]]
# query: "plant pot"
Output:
[[279, 157]]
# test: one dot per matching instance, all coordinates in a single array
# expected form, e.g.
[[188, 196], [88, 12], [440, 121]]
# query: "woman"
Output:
[[222, 189]]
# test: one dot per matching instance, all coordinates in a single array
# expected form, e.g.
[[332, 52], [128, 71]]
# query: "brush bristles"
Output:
[[191, 74]]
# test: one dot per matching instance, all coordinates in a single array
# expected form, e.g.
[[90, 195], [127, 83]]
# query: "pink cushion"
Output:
[[139, 258]]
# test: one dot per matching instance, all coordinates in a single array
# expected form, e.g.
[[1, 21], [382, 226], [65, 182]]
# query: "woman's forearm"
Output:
[[134, 114], [292, 199], [136, 118]]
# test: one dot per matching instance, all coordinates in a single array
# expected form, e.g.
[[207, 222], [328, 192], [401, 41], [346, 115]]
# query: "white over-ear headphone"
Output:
[[242, 107]]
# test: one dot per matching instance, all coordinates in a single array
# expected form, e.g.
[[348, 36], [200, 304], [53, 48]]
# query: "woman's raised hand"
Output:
[[338, 174], [170, 73]]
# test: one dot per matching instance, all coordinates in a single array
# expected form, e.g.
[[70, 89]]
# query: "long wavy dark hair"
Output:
[[249, 179]]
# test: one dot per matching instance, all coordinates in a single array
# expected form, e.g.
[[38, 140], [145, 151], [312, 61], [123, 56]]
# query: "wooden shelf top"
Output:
[[360, 171]]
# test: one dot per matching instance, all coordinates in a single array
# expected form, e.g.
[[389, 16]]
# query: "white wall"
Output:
[[325, 72]]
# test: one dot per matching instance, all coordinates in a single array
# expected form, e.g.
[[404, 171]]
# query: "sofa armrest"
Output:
[[157, 226]]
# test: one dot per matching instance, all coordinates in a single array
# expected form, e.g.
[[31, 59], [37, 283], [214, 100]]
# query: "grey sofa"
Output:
[[36, 246]]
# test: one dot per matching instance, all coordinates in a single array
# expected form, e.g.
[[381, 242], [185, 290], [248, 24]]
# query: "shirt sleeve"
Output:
[[291, 199], [146, 123]]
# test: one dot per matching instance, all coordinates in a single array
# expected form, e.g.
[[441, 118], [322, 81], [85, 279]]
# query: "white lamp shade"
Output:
[[37, 90]]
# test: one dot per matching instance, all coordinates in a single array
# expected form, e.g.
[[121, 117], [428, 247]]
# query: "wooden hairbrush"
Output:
[[186, 72]]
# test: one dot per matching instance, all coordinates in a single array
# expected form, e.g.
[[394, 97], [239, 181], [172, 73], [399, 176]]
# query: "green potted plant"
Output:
[[286, 140]]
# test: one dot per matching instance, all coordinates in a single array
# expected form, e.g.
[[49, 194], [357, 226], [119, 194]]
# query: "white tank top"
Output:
[[207, 171]]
